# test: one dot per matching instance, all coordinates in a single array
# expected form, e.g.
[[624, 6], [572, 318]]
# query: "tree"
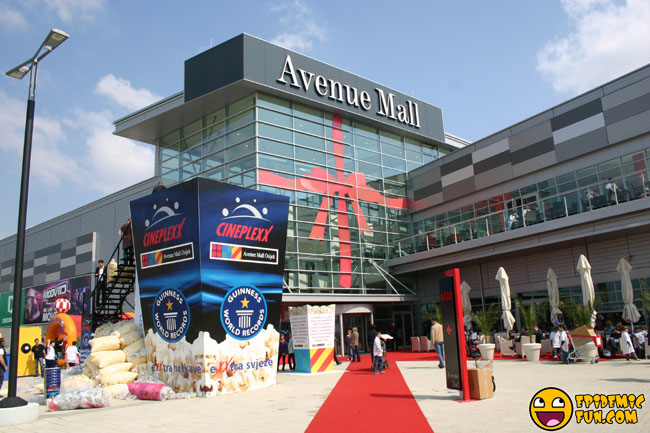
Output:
[[576, 315], [528, 316], [486, 320]]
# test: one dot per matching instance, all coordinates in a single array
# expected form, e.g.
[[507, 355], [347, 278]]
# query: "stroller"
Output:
[[471, 348]]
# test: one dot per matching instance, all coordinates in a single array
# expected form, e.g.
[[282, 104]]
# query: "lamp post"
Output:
[[53, 40]]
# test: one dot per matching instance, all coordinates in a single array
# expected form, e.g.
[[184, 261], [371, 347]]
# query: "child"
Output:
[[282, 352], [555, 341], [564, 339]]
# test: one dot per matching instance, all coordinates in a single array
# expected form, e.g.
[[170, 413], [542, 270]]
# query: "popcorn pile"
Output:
[[117, 357], [312, 309]]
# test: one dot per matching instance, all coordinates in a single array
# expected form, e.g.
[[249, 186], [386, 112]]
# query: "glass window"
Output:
[[389, 149], [274, 117], [212, 161], [347, 150], [273, 163], [365, 131], [394, 163], [390, 138], [191, 135], [171, 177], [395, 189], [190, 170], [214, 131], [240, 150], [394, 175], [240, 135], [366, 143], [334, 160], [369, 156], [308, 113], [213, 146], [410, 166], [634, 162], [240, 120], [216, 117], [346, 125], [275, 147], [609, 169], [240, 165], [191, 155], [303, 168], [240, 105], [369, 169], [310, 127], [309, 155], [413, 155], [274, 103], [274, 132], [412, 145], [310, 141], [170, 164]]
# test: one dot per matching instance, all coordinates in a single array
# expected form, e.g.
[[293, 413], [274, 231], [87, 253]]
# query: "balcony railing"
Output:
[[534, 211]]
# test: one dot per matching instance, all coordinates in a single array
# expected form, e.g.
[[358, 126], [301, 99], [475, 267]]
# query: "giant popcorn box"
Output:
[[312, 330], [210, 262]]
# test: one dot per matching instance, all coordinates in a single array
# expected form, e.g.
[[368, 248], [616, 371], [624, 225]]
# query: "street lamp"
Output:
[[53, 40]]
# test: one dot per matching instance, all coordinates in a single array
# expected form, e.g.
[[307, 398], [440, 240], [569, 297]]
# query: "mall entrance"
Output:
[[349, 316]]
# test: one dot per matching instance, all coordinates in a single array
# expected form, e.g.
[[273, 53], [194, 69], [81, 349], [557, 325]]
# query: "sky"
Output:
[[487, 65]]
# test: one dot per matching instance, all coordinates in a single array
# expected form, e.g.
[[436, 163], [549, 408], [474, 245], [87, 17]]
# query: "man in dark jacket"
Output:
[[39, 357]]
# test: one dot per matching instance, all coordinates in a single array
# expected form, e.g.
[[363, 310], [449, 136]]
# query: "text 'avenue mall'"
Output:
[[382, 200]]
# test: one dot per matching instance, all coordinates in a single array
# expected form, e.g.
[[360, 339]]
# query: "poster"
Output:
[[312, 331], [39, 300], [210, 262]]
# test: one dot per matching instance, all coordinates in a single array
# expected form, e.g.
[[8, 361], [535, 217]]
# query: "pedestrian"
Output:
[[50, 355], [355, 345], [371, 337], [555, 341], [3, 364], [282, 352], [159, 187], [126, 234], [72, 355], [437, 338], [348, 344], [627, 348], [39, 357], [393, 333], [378, 355], [291, 354], [564, 341]]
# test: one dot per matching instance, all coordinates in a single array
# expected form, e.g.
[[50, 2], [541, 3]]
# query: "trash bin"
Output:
[[52, 382], [480, 383]]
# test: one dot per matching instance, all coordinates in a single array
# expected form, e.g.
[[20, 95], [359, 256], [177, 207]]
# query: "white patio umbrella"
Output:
[[630, 312], [506, 303], [588, 295], [553, 295], [467, 304]]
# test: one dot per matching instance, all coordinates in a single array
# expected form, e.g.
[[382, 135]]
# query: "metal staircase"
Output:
[[112, 289]]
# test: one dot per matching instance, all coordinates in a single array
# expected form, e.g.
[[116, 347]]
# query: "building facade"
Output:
[[383, 201]]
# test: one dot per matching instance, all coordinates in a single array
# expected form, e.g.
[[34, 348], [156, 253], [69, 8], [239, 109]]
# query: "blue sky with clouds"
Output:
[[486, 64]]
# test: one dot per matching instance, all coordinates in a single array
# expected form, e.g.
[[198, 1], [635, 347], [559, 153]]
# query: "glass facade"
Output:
[[346, 182], [607, 183]]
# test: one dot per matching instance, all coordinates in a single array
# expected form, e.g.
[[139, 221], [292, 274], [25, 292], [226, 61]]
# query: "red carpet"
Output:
[[364, 402]]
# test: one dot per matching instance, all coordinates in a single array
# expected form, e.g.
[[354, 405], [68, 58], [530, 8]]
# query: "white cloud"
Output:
[[111, 162], [305, 29], [11, 18], [610, 38], [12, 122], [120, 91], [69, 10]]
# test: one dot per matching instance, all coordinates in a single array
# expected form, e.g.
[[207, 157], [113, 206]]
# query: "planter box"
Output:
[[480, 383]]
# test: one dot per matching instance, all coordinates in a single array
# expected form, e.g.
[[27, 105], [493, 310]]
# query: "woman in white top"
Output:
[[50, 355], [626, 345], [564, 339]]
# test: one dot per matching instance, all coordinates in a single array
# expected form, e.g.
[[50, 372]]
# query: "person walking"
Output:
[[378, 355], [437, 338], [393, 332], [50, 355], [371, 337], [355, 345], [348, 344], [627, 348], [39, 357], [72, 355], [282, 353], [555, 341], [291, 354], [127, 241], [3, 364]]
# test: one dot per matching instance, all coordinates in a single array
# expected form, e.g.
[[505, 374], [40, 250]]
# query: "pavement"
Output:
[[290, 405]]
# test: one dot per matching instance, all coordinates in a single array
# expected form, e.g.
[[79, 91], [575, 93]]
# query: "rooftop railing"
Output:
[[532, 211]]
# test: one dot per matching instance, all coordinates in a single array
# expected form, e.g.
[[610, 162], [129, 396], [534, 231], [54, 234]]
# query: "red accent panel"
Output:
[[460, 326]]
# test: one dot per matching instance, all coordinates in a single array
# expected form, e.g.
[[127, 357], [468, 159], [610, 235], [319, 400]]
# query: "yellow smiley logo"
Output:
[[551, 409]]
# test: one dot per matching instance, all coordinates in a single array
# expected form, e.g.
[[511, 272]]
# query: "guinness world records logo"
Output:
[[243, 312], [171, 315]]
